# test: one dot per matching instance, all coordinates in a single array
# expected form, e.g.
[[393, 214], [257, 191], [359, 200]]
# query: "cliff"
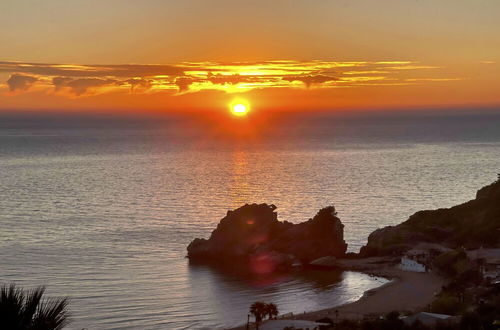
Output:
[[254, 235], [473, 224]]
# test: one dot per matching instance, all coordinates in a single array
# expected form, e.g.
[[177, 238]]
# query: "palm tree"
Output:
[[272, 310], [258, 309], [26, 310]]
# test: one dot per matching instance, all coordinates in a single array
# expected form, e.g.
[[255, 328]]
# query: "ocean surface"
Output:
[[101, 208]]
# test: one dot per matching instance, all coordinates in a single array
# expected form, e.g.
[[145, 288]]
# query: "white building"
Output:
[[411, 265]]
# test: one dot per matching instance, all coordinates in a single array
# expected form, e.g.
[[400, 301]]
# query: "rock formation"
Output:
[[253, 234], [473, 224]]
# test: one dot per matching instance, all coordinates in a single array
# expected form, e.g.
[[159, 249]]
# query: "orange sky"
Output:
[[133, 56]]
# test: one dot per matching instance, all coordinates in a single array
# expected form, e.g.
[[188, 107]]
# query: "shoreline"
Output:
[[406, 291]]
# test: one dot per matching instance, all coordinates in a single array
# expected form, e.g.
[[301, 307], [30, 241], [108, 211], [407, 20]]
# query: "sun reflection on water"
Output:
[[239, 188]]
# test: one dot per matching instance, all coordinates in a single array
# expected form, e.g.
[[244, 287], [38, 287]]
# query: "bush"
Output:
[[470, 321], [446, 305], [452, 263]]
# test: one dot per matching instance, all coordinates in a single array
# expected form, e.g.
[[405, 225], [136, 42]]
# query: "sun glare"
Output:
[[239, 108]]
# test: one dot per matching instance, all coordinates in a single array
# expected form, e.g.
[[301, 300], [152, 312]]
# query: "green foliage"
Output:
[[452, 263], [446, 305], [26, 310]]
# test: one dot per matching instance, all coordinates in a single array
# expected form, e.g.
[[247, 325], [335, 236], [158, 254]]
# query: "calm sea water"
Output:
[[101, 209]]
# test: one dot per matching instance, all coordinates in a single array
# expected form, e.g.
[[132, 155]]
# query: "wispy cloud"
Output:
[[189, 77], [99, 70], [310, 80], [81, 86], [434, 79]]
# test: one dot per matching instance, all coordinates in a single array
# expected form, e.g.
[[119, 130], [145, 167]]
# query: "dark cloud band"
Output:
[[195, 76]]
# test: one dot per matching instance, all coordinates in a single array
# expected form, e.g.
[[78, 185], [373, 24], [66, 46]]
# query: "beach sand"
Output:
[[407, 291]]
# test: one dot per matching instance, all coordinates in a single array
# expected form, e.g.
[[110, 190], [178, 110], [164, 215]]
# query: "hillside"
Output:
[[472, 224]]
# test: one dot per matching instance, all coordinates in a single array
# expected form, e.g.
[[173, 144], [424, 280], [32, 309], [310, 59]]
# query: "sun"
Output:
[[239, 107]]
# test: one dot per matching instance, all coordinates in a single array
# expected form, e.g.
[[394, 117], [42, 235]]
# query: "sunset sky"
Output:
[[152, 55]]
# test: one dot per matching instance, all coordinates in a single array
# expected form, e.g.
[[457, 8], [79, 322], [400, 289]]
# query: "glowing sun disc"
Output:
[[239, 108]]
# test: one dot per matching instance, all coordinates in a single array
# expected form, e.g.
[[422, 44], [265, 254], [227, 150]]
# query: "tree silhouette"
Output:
[[26, 310], [271, 310], [258, 310]]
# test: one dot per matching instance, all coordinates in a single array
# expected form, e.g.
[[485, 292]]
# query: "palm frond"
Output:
[[52, 314], [32, 301], [11, 306], [26, 310]]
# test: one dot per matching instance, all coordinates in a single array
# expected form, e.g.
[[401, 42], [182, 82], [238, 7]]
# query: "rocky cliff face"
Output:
[[253, 234], [473, 224]]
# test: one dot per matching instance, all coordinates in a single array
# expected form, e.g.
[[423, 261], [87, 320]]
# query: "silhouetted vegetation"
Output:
[[467, 295], [272, 310], [452, 263], [473, 320], [27, 310], [260, 310], [447, 304], [479, 309], [390, 322]]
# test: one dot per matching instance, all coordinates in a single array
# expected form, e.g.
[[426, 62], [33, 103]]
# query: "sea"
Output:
[[101, 207]]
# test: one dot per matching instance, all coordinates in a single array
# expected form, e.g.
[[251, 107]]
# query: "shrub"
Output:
[[446, 304]]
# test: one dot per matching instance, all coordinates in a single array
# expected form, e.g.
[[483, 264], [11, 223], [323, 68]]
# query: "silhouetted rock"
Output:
[[253, 234], [473, 224]]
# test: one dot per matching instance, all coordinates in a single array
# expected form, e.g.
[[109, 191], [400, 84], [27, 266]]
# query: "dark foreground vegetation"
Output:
[[260, 310], [479, 319], [470, 297], [28, 310], [474, 320]]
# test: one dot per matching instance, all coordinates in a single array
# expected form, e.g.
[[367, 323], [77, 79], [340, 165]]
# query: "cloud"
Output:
[[81, 86], [139, 83], [98, 71], [18, 82], [60, 82], [309, 80], [230, 77], [434, 79], [183, 83], [220, 79]]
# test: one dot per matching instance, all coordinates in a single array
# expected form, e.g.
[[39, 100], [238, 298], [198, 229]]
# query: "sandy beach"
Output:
[[407, 291]]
